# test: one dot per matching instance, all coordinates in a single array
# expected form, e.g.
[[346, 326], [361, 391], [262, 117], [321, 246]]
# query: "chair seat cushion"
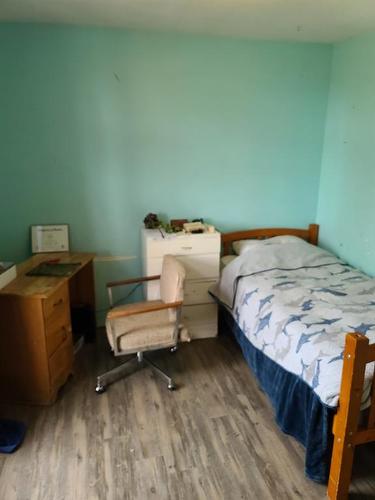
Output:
[[141, 332]]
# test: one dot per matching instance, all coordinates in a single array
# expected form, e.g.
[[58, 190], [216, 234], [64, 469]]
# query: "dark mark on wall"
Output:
[[117, 77]]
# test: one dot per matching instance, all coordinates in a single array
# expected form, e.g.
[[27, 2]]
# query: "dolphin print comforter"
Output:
[[295, 302]]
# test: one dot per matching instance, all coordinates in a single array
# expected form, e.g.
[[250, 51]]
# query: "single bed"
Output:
[[289, 305]]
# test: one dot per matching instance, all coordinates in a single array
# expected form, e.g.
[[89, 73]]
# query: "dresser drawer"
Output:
[[196, 292], [57, 302], [60, 364], [200, 320], [152, 290], [205, 313], [183, 245], [201, 330], [196, 266], [57, 332]]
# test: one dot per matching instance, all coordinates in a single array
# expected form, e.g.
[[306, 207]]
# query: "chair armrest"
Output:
[[148, 308], [130, 281]]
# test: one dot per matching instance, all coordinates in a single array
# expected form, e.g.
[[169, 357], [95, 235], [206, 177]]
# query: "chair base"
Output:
[[120, 371]]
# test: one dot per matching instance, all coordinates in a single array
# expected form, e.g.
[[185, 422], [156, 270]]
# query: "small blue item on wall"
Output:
[[12, 434]]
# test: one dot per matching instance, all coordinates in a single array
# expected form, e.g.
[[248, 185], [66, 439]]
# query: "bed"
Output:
[[305, 322]]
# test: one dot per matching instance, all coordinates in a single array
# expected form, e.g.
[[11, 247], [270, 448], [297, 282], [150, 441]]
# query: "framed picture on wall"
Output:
[[49, 238]]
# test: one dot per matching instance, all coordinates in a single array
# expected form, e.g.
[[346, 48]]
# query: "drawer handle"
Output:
[[59, 302], [186, 248]]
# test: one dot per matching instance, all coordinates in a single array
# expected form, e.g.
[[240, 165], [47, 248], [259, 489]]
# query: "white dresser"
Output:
[[200, 255]]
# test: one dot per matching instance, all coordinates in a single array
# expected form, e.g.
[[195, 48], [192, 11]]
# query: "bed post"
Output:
[[371, 417], [226, 245], [345, 423], [313, 233]]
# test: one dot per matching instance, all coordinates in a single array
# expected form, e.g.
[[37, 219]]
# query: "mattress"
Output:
[[295, 302]]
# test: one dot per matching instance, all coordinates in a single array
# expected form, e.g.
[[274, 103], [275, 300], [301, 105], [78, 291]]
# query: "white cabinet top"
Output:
[[160, 235], [157, 244]]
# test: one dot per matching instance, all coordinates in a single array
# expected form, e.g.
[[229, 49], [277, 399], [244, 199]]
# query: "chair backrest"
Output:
[[172, 280]]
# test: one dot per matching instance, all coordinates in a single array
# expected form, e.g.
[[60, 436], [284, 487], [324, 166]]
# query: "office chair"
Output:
[[146, 326]]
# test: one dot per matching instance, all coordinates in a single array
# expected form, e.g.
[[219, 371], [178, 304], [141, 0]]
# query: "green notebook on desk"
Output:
[[59, 270]]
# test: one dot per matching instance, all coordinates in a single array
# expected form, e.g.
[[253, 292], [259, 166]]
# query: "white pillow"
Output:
[[242, 246], [286, 238]]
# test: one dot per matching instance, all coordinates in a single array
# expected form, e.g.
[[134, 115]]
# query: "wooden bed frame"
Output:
[[357, 354]]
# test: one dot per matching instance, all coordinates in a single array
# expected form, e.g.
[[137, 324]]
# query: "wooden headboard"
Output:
[[310, 234]]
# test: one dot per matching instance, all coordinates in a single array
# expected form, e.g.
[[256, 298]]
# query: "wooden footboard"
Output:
[[347, 433]]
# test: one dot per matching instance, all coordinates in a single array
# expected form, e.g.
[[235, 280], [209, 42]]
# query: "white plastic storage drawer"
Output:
[[152, 290], [183, 245], [200, 320], [196, 266], [196, 292]]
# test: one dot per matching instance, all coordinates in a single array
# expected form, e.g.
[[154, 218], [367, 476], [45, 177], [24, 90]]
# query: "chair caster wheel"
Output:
[[171, 387], [99, 389]]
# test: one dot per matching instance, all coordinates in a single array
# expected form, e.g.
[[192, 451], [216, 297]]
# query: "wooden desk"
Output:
[[36, 347]]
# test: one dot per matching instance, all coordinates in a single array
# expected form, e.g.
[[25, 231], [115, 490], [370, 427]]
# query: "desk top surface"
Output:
[[43, 286]]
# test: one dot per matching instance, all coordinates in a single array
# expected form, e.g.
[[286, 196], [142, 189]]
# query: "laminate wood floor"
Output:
[[214, 438]]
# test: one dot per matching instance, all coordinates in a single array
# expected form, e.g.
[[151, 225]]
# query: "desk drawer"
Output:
[[57, 302], [60, 364], [57, 334]]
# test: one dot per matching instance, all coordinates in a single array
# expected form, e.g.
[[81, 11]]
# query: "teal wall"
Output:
[[347, 191], [99, 127]]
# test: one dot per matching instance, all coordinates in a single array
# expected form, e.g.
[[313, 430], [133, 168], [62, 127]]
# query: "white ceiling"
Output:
[[301, 20]]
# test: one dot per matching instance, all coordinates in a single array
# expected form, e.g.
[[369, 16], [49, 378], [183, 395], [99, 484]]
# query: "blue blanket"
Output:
[[298, 410]]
